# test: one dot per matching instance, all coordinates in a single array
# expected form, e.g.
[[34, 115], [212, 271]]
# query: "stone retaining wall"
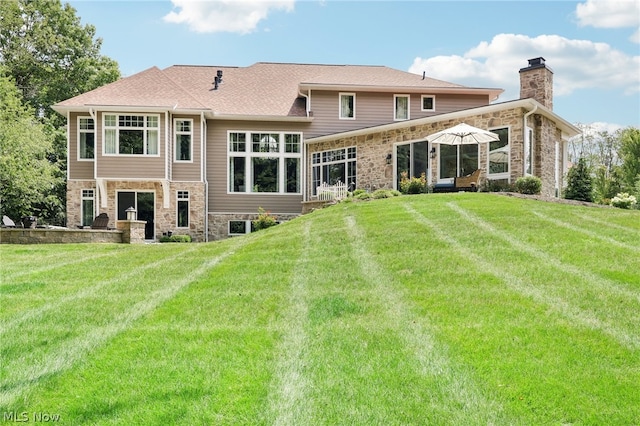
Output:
[[58, 236]]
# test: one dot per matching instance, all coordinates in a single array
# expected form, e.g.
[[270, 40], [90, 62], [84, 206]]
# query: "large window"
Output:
[[330, 167], [499, 154], [86, 138], [458, 160], [412, 159], [401, 107], [88, 207], [265, 162], [183, 139], [131, 134], [183, 209], [347, 105]]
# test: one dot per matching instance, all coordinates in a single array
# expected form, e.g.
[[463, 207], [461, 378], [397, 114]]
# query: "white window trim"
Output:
[[188, 200], [281, 155], [395, 105], [144, 129], [175, 142], [340, 95], [235, 234], [80, 132], [92, 198], [321, 164], [529, 148], [422, 103]]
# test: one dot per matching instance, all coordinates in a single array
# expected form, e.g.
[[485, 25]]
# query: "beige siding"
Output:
[[130, 167], [373, 109], [220, 201], [77, 169], [181, 171]]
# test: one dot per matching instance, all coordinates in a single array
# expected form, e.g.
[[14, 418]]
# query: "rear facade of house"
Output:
[[198, 150]]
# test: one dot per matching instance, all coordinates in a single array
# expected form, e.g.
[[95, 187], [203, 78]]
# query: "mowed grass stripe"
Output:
[[586, 232], [89, 290], [584, 274], [16, 382], [456, 385], [522, 286], [288, 390]]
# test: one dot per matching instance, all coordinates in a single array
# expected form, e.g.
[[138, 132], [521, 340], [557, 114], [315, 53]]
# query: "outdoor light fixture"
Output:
[[389, 157], [433, 152], [131, 213]]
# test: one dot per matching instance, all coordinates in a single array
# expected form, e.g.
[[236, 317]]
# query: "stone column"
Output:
[[132, 231]]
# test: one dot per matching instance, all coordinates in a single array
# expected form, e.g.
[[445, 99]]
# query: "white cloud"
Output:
[[610, 14], [577, 64], [236, 16]]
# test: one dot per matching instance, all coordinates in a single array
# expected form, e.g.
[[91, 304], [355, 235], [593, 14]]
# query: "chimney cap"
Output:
[[535, 63]]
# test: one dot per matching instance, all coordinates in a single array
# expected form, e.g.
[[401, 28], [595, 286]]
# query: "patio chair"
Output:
[[7, 222], [100, 222], [468, 182]]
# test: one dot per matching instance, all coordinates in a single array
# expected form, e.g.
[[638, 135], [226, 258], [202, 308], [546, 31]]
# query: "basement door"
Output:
[[144, 203]]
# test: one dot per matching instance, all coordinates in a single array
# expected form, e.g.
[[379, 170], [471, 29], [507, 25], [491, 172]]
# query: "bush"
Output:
[[358, 192], [579, 183], [500, 185], [176, 239], [528, 185], [624, 201], [264, 220], [385, 193], [414, 185]]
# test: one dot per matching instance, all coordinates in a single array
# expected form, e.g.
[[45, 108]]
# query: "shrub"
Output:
[[413, 185], [499, 185], [175, 239], [624, 201], [264, 220], [579, 183], [358, 192], [528, 185], [384, 193], [363, 196]]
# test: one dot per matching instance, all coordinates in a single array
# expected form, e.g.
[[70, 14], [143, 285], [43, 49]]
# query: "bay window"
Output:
[[265, 162]]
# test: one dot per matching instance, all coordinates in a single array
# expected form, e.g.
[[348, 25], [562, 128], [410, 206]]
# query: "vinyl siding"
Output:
[[220, 201], [77, 169], [187, 171], [130, 167], [373, 109]]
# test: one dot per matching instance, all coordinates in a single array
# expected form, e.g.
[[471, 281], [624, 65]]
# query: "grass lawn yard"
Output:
[[441, 309]]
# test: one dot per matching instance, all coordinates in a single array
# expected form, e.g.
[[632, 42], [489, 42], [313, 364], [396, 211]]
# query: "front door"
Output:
[[144, 203]]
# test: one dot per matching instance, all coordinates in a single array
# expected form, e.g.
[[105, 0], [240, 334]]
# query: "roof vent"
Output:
[[217, 80]]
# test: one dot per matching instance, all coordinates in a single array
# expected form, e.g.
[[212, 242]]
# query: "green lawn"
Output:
[[439, 309]]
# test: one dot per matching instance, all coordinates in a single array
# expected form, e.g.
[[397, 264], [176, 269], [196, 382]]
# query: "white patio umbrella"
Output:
[[462, 134]]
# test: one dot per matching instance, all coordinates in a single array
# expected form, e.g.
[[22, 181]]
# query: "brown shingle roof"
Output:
[[262, 89]]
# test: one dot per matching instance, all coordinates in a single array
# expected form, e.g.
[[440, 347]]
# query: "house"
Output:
[[197, 149]]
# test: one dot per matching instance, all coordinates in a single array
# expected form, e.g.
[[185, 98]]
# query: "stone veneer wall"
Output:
[[219, 222], [372, 149], [165, 218], [537, 83]]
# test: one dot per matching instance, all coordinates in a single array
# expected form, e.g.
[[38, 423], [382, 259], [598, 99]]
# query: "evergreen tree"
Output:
[[579, 182]]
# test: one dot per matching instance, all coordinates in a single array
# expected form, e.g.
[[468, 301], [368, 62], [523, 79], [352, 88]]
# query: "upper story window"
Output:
[[86, 138], [428, 103], [400, 107], [265, 162], [183, 139], [347, 106], [131, 134]]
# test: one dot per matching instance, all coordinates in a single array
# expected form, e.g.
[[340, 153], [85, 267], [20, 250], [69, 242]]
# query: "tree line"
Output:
[[46, 55]]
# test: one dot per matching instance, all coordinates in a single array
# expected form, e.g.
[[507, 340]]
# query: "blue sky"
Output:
[[593, 47]]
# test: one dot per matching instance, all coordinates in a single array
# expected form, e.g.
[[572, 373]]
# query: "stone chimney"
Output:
[[536, 81]]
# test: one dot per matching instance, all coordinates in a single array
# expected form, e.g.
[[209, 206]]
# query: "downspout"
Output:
[[524, 139], [203, 154], [304, 148], [94, 117]]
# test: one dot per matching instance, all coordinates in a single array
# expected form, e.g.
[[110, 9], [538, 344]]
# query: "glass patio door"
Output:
[[457, 160], [144, 203], [412, 159]]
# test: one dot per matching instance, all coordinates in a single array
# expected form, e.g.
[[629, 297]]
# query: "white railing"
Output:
[[332, 192]]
